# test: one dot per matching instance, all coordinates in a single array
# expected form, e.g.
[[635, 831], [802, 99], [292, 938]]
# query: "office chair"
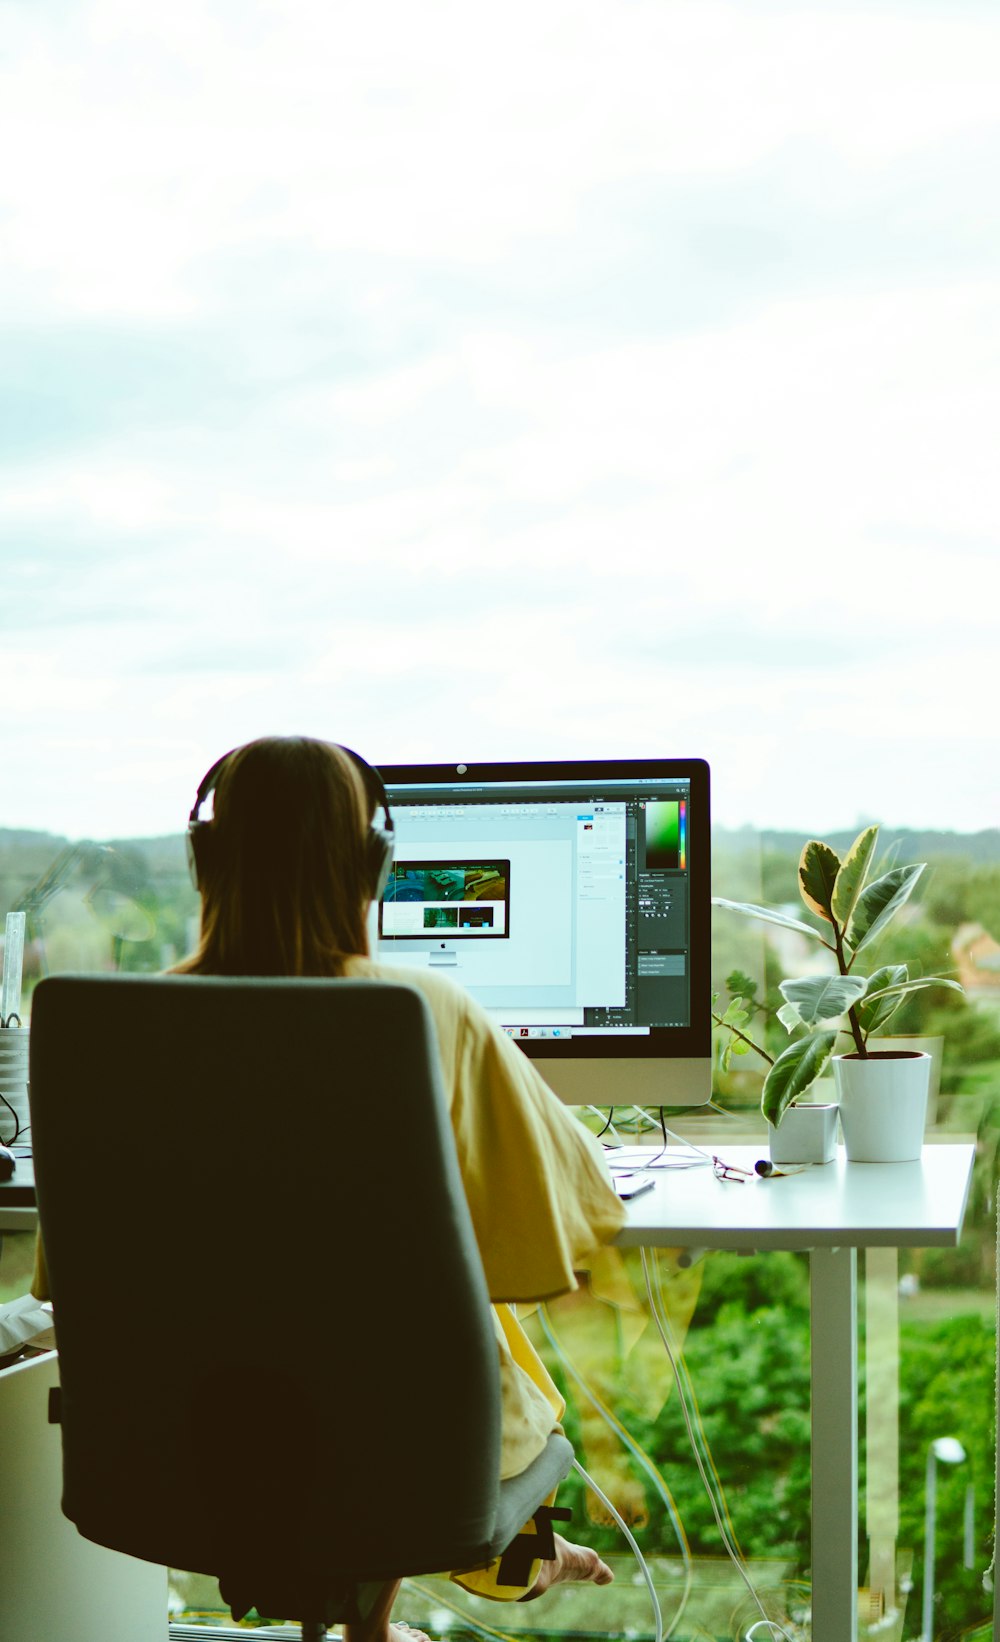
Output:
[[277, 1361]]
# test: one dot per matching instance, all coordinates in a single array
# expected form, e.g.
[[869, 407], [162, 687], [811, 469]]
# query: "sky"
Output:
[[568, 378]]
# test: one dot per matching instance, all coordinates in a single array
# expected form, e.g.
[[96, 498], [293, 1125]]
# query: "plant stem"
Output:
[[845, 969], [743, 1038]]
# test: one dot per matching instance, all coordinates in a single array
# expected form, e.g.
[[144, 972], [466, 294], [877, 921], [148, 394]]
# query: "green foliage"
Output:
[[751, 1371], [946, 1389], [946, 895], [971, 1039], [952, 1268], [960, 894], [741, 986], [747, 1354], [778, 875], [755, 1282], [736, 1017]]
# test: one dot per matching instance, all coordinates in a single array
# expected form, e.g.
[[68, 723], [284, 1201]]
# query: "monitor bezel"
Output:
[[665, 1043]]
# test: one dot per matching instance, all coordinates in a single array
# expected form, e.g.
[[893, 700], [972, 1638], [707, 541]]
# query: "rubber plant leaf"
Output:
[[789, 1017], [824, 997], [880, 902], [818, 869], [885, 1002], [852, 875], [768, 916], [880, 1000], [795, 1069]]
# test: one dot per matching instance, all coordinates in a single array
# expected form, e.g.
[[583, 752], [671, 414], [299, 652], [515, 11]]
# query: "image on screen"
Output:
[[467, 899]]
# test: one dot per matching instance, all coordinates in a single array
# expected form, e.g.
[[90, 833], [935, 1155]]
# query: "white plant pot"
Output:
[[806, 1134], [933, 1046], [883, 1104]]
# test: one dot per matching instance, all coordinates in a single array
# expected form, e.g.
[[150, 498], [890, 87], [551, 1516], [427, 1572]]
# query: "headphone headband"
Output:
[[380, 842]]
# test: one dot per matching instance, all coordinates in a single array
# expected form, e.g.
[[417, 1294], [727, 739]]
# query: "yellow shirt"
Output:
[[538, 1189]]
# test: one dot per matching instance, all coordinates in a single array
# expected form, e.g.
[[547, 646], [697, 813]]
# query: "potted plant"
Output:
[[882, 1093], [808, 1132]]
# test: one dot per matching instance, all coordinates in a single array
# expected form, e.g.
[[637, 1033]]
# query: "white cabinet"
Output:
[[54, 1584]]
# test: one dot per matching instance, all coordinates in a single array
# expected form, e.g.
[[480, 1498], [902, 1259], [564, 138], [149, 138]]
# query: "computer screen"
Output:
[[573, 901]]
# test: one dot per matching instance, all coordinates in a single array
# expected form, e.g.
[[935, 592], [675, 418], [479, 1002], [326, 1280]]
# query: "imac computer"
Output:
[[572, 900]]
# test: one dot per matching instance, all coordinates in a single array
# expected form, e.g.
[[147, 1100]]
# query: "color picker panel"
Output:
[[666, 827]]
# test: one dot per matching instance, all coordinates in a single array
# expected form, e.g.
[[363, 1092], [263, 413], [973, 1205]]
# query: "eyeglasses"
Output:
[[730, 1171]]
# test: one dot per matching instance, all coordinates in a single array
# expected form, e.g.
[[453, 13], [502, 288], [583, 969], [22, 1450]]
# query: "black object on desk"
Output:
[[18, 1192]]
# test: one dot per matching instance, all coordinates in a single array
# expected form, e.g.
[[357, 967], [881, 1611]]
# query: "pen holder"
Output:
[[806, 1134]]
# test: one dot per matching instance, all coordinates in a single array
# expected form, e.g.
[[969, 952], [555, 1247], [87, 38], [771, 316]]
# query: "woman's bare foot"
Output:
[[571, 1564]]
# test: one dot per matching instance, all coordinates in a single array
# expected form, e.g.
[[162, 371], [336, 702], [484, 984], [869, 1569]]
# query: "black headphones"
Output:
[[380, 845]]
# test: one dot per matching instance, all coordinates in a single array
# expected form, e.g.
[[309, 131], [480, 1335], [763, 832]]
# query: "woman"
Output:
[[287, 867]]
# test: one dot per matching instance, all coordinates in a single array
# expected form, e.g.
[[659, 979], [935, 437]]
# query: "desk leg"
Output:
[[882, 1433], [834, 1445]]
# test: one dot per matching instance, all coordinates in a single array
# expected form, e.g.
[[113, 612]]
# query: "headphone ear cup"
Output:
[[199, 850], [381, 849]]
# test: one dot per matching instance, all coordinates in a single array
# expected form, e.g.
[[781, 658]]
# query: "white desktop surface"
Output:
[[830, 1205]]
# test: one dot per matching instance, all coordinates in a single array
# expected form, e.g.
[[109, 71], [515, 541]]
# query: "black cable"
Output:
[[607, 1126], [17, 1123], [663, 1131]]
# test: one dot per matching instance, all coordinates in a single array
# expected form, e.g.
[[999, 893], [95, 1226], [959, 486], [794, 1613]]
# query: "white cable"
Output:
[[661, 1318], [647, 1576], [661, 1325], [689, 1145], [660, 1157], [633, 1448], [643, 1120], [654, 1306]]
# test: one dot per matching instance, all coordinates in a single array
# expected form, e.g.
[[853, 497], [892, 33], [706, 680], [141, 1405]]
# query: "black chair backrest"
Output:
[[273, 1328]]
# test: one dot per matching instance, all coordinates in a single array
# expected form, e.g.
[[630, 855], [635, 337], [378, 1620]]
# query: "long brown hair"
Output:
[[284, 879]]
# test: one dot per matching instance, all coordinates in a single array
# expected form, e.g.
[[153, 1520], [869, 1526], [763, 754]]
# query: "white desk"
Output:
[[830, 1212]]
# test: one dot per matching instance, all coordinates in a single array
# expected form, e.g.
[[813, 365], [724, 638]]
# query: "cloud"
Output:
[[157, 147], [617, 378]]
